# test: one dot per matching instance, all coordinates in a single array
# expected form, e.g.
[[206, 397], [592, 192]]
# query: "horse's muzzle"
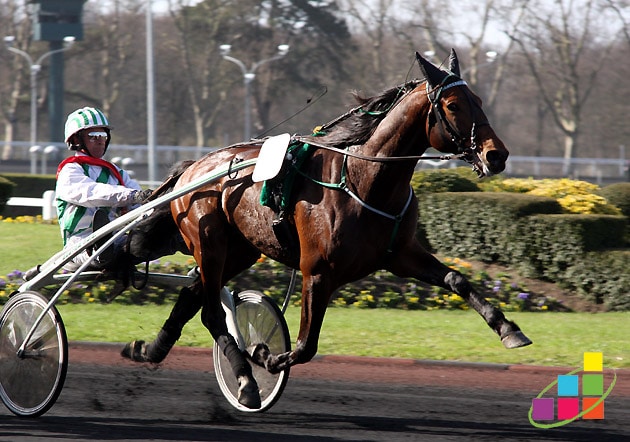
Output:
[[495, 160]]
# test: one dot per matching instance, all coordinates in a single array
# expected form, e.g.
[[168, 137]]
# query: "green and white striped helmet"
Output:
[[84, 118]]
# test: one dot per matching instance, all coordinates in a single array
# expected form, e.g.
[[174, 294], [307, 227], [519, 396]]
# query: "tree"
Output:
[[559, 46], [107, 62], [14, 91]]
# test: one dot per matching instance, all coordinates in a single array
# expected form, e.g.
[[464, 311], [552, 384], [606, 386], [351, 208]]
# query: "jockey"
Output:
[[90, 191]]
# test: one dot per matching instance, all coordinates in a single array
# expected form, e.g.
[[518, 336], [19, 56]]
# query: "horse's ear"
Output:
[[432, 74], [453, 62]]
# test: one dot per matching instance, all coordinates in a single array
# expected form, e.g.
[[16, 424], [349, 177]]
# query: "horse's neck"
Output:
[[401, 133]]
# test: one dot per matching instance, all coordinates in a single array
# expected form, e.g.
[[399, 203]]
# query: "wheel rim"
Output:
[[259, 321], [29, 385]]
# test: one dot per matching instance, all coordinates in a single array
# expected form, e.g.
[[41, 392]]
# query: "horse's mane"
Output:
[[357, 125]]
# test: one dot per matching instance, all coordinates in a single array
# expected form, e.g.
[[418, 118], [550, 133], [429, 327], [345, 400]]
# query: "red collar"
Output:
[[84, 159]]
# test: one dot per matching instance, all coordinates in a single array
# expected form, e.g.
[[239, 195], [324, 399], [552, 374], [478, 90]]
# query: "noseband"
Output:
[[457, 138]]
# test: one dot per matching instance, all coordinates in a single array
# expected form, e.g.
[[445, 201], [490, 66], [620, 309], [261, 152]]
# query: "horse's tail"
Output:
[[158, 235]]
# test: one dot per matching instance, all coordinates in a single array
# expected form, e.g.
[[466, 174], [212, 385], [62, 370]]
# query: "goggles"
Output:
[[96, 135]]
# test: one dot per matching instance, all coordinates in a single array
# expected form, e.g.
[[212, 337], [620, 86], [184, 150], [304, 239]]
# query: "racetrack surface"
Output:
[[332, 398]]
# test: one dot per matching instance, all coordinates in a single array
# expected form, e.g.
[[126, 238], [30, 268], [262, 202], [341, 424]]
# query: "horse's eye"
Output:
[[453, 107]]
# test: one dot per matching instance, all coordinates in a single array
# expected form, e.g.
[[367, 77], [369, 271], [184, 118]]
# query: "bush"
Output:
[[29, 186], [6, 190], [619, 195], [574, 196], [482, 225], [602, 278], [547, 245], [442, 180]]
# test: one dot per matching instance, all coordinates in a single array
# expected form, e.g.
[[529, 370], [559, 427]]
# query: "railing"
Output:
[[134, 157]]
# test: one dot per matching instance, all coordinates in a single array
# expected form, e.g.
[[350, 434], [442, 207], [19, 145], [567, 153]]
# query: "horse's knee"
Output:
[[458, 283]]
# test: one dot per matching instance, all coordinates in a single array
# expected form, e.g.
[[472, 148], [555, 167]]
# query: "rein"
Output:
[[464, 154], [380, 159]]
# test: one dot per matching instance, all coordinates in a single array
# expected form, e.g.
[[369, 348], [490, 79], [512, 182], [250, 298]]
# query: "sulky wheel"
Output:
[[259, 320], [30, 383]]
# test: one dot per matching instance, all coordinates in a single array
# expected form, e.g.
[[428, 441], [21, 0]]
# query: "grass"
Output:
[[559, 338], [26, 245]]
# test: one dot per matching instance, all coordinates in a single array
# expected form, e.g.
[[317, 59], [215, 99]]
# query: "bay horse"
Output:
[[351, 211]]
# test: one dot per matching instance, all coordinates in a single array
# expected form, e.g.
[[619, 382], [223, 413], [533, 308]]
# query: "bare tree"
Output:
[[558, 46], [622, 10], [14, 92]]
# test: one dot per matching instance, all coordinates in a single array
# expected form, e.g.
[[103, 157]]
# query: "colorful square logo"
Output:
[[592, 385], [598, 408], [593, 361], [568, 385], [573, 402], [543, 409]]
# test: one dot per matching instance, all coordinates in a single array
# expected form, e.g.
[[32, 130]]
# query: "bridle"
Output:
[[466, 153]]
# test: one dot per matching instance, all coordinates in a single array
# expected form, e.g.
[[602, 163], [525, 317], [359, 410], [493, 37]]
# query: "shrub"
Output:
[[619, 195], [602, 278], [442, 180], [6, 190], [514, 185]]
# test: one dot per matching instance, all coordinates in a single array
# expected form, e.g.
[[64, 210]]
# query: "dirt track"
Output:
[[329, 399]]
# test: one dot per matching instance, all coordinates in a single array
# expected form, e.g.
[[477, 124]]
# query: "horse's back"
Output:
[[229, 209]]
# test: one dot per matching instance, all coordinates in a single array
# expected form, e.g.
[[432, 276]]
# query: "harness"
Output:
[[457, 138], [300, 149]]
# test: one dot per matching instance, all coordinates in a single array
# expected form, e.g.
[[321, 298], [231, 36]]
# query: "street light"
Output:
[[248, 77], [491, 57], [34, 69]]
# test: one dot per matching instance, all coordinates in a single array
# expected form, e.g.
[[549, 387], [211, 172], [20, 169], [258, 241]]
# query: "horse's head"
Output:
[[456, 122]]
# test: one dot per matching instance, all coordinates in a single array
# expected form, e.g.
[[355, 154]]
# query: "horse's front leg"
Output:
[[417, 263], [510, 333]]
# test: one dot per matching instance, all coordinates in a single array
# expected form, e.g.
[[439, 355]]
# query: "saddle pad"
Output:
[[271, 157]]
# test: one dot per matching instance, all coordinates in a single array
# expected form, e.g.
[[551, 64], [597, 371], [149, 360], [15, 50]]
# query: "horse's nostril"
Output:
[[496, 156]]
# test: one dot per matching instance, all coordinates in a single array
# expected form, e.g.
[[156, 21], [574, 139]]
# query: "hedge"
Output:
[[27, 186], [530, 234], [479, 225]]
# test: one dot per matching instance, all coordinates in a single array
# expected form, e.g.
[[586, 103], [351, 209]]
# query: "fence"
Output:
[[46, 202]]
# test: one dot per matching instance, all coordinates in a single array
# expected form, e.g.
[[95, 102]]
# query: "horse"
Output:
[[346, 210]]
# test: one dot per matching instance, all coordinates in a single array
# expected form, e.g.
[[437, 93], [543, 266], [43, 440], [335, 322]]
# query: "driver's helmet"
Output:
[[84, 118]]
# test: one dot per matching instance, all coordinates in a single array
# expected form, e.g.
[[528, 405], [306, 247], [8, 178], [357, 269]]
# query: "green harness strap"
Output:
[[300, 152]]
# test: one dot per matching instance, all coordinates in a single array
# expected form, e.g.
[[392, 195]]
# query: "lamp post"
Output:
[[248, 77], [34, 70]]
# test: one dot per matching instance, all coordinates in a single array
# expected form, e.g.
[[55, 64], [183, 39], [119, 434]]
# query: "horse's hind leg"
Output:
[[187, 305], [213, 317]]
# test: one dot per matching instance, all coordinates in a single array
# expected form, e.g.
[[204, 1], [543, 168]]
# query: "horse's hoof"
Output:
[[136, 351], [259, 354], [248, 394], [515, 340]]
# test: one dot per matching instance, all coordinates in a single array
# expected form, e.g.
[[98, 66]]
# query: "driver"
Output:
[[91, 191]]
